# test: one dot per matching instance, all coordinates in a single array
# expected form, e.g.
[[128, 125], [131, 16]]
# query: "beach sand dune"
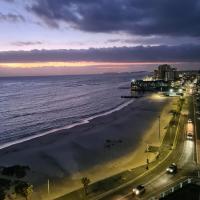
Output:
[[105, 146]]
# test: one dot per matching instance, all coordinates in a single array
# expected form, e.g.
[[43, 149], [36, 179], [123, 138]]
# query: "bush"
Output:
[[24, 189]]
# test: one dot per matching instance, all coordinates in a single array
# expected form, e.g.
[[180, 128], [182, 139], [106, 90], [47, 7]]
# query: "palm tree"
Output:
[[28, 191], [85, 181]]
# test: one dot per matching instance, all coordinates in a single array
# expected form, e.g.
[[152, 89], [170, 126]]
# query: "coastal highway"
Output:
[[183, 154]]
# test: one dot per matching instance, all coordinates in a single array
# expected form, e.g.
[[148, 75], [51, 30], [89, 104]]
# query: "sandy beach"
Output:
[[105, 146]]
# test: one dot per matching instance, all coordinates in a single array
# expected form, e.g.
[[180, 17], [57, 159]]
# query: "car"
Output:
[[198, 112], [189, 121], [140, 189], [172, 169]]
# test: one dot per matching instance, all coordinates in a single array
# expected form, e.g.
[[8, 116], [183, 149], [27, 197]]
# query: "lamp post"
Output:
[[159, 127], [170, 134], [48, 186]]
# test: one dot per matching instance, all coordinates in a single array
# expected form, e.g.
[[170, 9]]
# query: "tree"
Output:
[[28, 191], [85, 181], [24, 189]]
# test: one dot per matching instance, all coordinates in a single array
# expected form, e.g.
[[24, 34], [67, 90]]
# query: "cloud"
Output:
[[11, 18], [181, 53], [139, 17], [155, 40], [27, 43], [9, 1]]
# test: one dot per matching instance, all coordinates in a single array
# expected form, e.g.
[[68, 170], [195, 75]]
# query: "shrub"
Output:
[[24, 189]]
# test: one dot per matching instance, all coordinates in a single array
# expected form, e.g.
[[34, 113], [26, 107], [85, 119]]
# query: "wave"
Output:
[[84, 121]]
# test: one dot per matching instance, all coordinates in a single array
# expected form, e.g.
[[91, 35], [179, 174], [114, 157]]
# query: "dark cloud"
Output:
[[27, 43], [182, 53], [155, 40], [11, 17], [142, 17]]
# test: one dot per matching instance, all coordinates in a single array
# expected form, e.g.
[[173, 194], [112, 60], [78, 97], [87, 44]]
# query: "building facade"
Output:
[[165, 72]]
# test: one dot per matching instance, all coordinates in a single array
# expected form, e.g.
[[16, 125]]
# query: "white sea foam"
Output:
[[84, 121]]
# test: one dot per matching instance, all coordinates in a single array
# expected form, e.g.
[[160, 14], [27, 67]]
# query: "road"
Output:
[[183, 154]]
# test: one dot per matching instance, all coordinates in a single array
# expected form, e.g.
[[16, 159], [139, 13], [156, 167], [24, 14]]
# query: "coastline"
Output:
[[68, 155], [82, 122]]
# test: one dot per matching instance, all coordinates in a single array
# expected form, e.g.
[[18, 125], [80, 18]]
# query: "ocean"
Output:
[[34, 106]]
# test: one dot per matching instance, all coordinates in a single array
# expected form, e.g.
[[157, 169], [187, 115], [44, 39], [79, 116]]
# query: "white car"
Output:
[[189, 121], [140, 189]]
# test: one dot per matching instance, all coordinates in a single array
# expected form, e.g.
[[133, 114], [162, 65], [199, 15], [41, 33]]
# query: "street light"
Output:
[[159, 128], [48, 186], [180, 90], [133, 80]]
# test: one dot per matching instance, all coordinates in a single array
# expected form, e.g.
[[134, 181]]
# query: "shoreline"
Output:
[[67, 158], [81, 122]]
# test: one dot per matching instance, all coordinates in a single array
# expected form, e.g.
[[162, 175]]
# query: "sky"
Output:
[[52, 37]]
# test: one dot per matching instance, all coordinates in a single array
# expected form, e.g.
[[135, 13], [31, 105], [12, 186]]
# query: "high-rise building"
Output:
[[165, 72], [162, 70]]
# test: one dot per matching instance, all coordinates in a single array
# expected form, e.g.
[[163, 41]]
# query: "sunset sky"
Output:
[[48, 37]]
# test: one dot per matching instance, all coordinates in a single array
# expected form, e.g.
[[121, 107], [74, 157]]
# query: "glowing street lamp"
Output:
[[133, 80], [180, 90]]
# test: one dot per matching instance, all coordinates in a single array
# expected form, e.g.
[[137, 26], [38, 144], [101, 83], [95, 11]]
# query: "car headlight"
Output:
[[169, 170], [137, 192]]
